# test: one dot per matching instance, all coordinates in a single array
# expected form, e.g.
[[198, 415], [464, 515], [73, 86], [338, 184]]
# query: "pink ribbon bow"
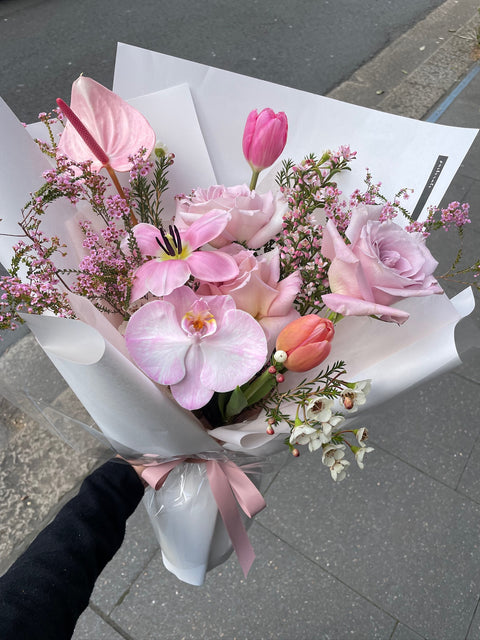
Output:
[[231, 488]]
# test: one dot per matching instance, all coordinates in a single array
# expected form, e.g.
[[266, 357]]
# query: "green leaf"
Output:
[[237, 403]]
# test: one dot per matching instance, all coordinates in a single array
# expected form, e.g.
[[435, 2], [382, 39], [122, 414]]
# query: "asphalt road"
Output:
[[312, 45]]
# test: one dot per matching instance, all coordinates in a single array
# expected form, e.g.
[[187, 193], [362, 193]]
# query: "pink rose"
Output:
[[382, 265], [255, 218], [257, 290]]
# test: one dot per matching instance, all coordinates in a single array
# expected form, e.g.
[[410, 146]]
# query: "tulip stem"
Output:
[[253, 181], [260, 387], [121, 192]]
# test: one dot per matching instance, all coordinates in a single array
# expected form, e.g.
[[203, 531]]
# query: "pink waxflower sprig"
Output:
[[309, 187], [455, 216]]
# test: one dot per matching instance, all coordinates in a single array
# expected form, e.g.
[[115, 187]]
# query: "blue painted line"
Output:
[[440, 110]]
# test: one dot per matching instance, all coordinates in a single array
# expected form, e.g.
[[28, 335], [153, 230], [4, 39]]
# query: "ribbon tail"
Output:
[[227, 505], [246, 493]]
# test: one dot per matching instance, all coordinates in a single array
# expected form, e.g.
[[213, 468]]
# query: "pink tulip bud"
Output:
[[264, 138], [306, 342]]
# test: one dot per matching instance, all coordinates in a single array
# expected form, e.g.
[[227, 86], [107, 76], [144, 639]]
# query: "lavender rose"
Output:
[[382, 265], [255, 218]]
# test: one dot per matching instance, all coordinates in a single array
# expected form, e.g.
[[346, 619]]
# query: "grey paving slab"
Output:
[[285, 596], [90, 626], [470, 367], [404, 633], [138, 549], [474, 631], [433, 427], [25, 367], [399, 538], [469, 483], [37, 473]]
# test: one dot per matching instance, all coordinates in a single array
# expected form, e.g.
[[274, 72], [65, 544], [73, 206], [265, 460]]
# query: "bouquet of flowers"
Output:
[[206, 329]]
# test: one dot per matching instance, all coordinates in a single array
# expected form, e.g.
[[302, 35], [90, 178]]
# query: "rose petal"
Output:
[[349, 306]]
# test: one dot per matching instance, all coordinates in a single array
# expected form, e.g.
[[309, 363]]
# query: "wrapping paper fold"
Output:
[[199, 112]]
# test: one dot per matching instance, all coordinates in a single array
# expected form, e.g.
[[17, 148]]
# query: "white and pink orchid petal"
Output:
[[349, 306], [190, 393], [206, 228], [118, 128], [182, 299], [234, 353], [212, 266], [156, 342]]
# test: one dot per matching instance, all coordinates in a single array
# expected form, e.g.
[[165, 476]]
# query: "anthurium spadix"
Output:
[[103, 128]]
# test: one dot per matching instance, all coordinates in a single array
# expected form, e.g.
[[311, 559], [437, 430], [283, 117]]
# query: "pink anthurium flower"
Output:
[[196, 345], [118, 129], [174, 256]]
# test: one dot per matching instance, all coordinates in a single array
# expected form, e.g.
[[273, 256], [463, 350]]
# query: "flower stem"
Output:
[[121, 193], [253, 181], [260, 387]]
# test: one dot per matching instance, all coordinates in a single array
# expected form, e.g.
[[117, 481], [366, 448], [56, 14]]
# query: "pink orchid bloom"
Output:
[[196, 345], [175, 256], [114, 130]]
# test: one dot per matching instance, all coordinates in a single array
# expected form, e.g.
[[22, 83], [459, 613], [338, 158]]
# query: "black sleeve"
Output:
[[47, 588]]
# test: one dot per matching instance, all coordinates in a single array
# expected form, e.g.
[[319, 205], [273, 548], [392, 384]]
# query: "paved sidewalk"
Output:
[[392, 553]]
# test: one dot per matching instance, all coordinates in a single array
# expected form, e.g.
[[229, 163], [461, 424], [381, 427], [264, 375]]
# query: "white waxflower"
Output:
[[319, 409], [351, 399], [361, 435], [333, 458], [304, 434], [332, 453], [360, 453], [339, 470], [327, 427]]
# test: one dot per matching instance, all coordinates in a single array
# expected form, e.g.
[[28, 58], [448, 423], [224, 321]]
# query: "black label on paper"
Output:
[[431, 182]]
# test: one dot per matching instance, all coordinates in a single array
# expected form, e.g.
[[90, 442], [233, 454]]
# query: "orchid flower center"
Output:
[[199, 322], [171, 245]]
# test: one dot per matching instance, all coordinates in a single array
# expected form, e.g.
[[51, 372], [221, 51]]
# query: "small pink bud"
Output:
[[306, 341], [295, 453], [270, 431], [272, 370], [271, 421], [280, 378], [264, 138]]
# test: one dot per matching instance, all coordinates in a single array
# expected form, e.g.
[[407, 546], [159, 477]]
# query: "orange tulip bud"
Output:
[[306, 341]]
